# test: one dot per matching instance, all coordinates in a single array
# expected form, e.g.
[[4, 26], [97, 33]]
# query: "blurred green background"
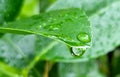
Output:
[[31, 55]]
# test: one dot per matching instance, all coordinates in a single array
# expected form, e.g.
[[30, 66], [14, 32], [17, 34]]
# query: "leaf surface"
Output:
[[82, 69], [66, 25], [9, 9], [105, 29]]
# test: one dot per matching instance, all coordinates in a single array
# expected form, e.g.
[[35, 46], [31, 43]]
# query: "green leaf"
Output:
[[8, 71], [66, 25], [105, 30], [23, 52], [29, 8], [90, 7], [44, 4], [83, 69], [9, 9], [17, 50], [61, 52]]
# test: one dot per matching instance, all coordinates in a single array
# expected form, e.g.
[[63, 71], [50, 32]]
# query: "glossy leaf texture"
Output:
[[9, 9], [61, 52], [105, 29], [37, 48], [67, 25]]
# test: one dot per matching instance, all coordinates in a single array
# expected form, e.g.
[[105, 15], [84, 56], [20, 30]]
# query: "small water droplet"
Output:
[[51, 28], [44, 24], [40, 26], [79, 51], [76, 17], [55, 28], [54, 19], [83, 37], [66, 15], [51, 36]]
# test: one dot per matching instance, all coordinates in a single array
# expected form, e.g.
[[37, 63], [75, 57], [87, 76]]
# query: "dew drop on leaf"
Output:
[[79, 51], [40, 26], [83, 37]]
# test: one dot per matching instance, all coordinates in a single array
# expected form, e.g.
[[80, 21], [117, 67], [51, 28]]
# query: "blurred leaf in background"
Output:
[[39, 56], [44, 4], [29, 8]]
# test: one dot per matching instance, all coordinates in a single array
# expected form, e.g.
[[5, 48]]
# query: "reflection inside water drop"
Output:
[[78, 51]]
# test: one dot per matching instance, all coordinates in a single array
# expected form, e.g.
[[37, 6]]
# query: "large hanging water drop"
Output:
[[83, 37], [79, 51]]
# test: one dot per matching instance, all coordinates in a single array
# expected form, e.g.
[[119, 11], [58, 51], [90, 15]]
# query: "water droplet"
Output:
[[79, 51], [66, 15], [51, 36], [44, 24], [40, 26], [83, 37], [55, 28], [54, 19], [76, 17], [51, 28]]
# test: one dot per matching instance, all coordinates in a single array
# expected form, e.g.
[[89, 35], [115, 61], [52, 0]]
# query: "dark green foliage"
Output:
[[52, 44], [9, 9]]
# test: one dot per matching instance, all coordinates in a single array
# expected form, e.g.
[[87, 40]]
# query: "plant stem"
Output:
[[48, 67], [46, 72], [110, 56], [39, 56]]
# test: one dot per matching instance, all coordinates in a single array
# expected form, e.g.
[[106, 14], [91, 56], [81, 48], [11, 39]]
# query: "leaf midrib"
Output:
[[97, 13]]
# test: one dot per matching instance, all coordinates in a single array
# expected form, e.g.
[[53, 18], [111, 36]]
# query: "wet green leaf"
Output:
[[105, 26], [66, 25], [105, 29], [61, 52]]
